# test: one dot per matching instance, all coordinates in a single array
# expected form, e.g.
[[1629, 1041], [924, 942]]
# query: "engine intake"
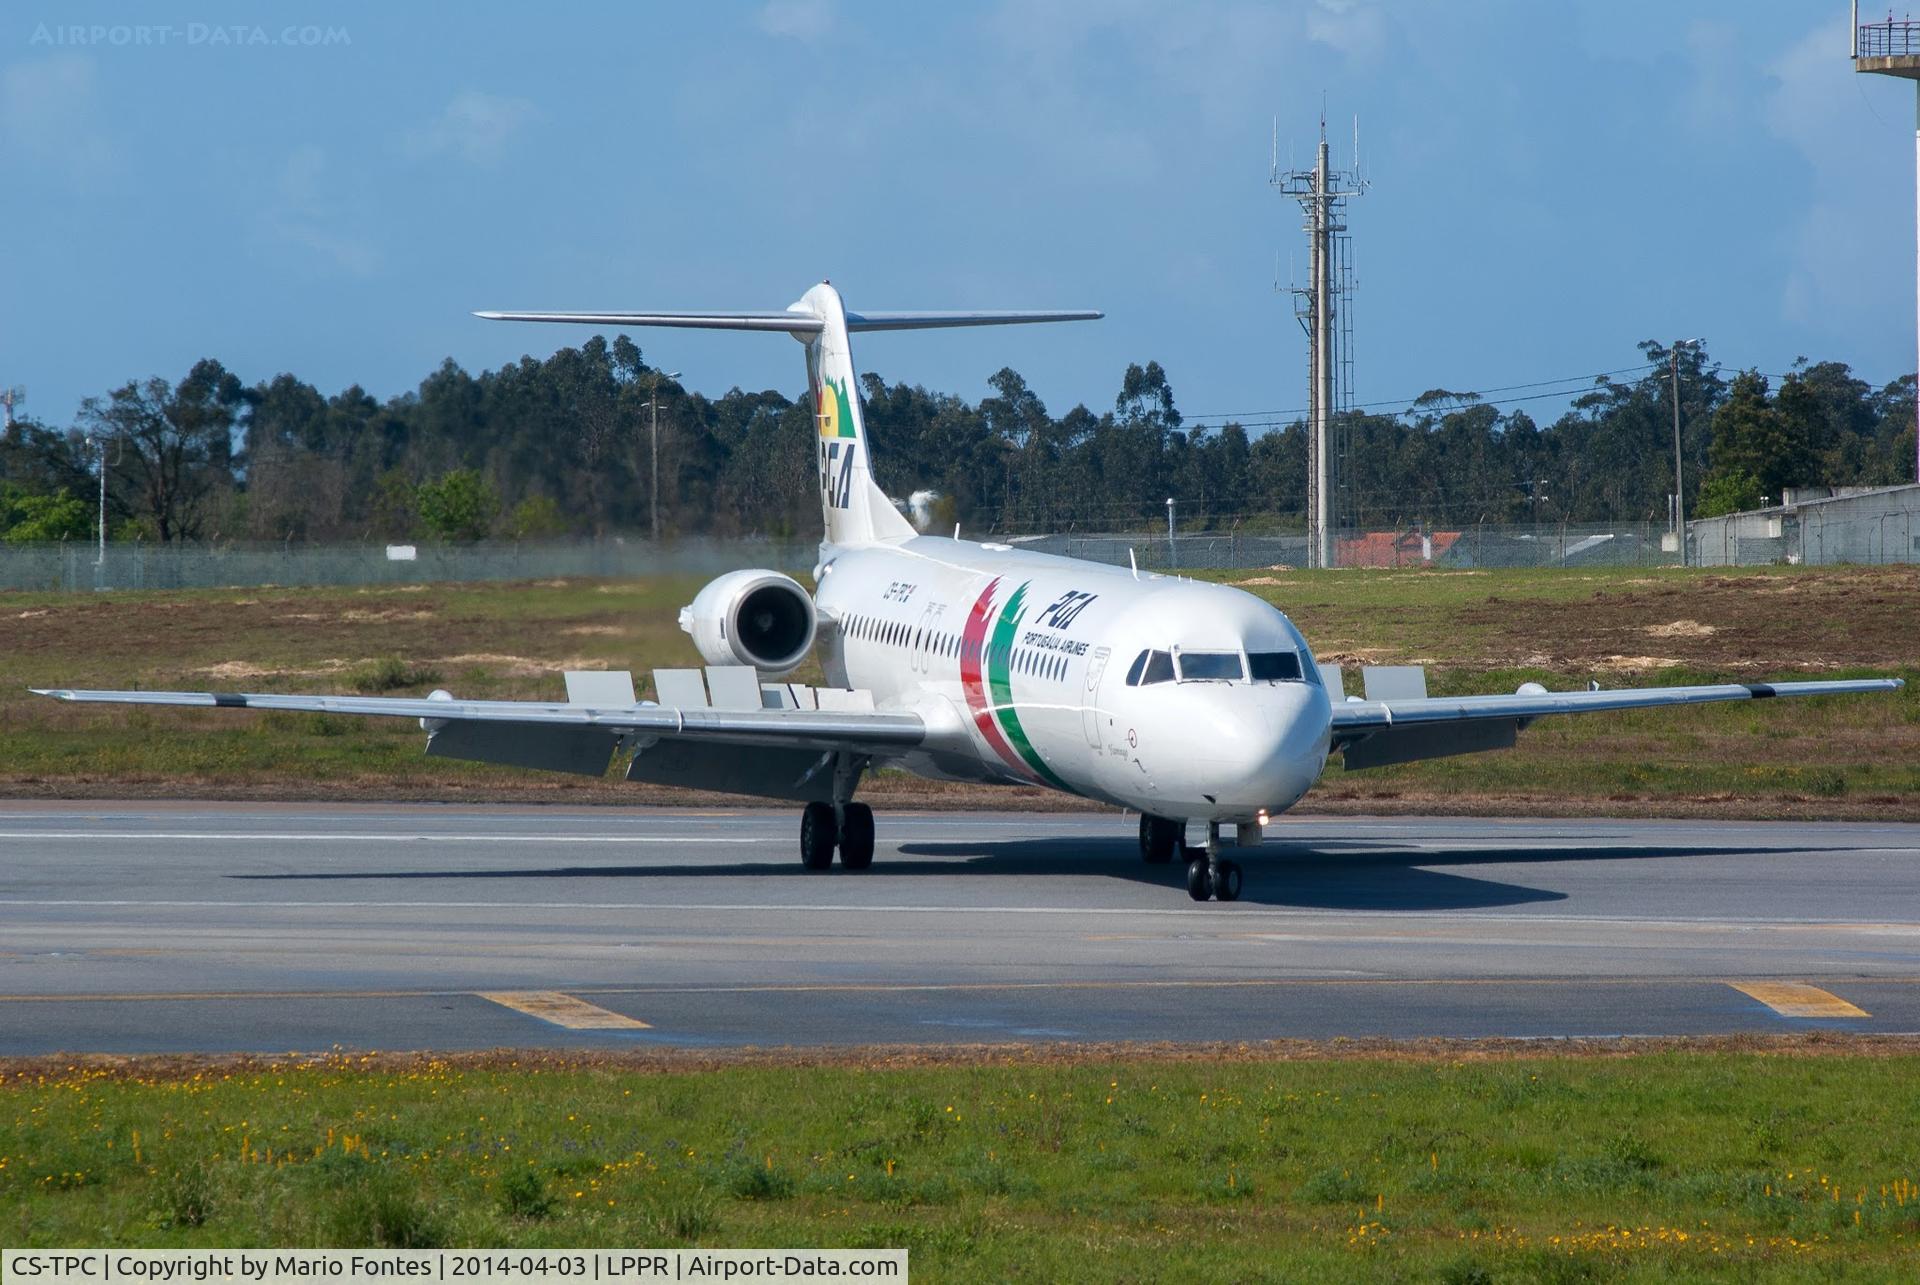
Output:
[[758, 618]]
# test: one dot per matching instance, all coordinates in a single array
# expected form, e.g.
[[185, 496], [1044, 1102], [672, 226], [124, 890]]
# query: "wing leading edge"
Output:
[[578, 738], [1375, 733]]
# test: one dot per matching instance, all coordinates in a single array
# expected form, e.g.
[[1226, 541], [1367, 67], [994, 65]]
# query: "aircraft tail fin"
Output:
[[854, 508]]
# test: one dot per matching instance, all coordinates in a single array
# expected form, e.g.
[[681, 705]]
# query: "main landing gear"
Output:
[[1159, 838], [1209, 875], [841, 824], [847, 826]]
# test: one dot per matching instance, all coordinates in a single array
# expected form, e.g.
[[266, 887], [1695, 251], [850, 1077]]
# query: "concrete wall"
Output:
[[1881, 525]]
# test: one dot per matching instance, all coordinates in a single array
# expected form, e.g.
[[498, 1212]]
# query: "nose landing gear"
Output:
[[1209, 875]]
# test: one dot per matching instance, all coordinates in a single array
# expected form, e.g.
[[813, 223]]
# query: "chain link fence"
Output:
[[1480, 545], [1872, 527], [1879, 526], [77, 568]]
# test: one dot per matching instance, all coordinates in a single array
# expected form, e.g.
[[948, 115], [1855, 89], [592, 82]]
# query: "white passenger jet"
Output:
[[965, 661]]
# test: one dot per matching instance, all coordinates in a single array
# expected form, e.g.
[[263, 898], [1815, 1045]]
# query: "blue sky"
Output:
[[1551, 184]]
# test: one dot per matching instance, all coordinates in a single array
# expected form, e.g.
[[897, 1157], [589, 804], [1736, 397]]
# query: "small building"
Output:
[[1815, 526]]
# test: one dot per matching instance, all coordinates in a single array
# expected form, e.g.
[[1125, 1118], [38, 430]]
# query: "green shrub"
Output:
[[389, 674], [386, 1214], [524, 1195], [189, 1196]]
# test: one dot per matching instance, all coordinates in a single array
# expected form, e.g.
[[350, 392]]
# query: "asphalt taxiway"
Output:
[[213, 927]]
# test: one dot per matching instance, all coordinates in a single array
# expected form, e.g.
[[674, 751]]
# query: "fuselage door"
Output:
[[1090, 705]]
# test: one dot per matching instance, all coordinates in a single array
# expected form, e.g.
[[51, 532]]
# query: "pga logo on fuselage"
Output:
[[1060, 614]]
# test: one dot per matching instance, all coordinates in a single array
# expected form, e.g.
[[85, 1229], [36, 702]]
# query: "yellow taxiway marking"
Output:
[[564, 1010], [1797, 999], [805, 988]]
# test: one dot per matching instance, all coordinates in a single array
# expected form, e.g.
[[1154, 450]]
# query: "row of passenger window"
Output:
[[1151, 667], [894, 633]]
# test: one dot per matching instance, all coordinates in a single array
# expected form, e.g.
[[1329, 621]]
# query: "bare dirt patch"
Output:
[[523, 666], [1634, 664], [1681, 629], [1808, 619], [357, 616], [231, 669]]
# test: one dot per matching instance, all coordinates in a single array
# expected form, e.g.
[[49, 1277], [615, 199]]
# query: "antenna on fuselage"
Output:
[[1133, 562]]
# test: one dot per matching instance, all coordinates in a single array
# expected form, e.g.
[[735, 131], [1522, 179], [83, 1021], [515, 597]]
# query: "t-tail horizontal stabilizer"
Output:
[[854, 509], [796, 323]]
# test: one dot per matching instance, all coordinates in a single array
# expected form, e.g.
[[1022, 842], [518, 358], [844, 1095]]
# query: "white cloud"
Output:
[[476, 127], [49, 111], [1718, 102], [804, 20], [1355, 29], [1846, 234], [306, 212]]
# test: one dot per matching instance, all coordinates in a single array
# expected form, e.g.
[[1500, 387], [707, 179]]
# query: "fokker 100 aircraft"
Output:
[[1184, 702]]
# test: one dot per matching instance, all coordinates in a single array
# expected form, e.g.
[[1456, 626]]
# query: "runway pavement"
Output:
[[213, 927]]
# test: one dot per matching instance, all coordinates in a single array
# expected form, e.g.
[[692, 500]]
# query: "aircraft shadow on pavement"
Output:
[[1321, 874]]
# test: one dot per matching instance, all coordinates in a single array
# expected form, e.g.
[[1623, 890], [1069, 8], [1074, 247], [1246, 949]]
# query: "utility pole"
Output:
[[653, 472], [100, 533], [1172, 558], [1679, 494], [1892, 48], [1322, 311]]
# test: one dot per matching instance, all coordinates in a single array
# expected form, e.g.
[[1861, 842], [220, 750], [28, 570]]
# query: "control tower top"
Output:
[[1890, 47]]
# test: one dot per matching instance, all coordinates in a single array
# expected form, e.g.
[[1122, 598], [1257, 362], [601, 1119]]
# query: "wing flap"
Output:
[[580, 751], [1429, 741], [763, 771]]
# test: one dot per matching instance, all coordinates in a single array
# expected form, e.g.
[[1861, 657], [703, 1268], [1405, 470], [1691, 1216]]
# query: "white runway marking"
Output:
[[350, 836], [1238, 911]]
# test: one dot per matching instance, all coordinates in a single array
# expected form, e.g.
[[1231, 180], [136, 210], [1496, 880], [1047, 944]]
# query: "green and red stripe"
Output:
[[986, 678]]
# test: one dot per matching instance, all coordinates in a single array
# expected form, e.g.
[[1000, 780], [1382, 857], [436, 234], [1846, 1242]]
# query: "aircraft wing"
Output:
[[1375, 733], [578, 738]]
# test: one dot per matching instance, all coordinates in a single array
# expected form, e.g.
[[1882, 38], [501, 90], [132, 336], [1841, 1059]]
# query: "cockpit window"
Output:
[[1150, 667], [1216, 666], [1274, 666]]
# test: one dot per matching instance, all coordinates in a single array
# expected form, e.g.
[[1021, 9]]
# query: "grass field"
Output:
[[1759, 1162], [1477, 631]]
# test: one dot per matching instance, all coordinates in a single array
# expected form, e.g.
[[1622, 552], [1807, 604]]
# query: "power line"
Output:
[[1580, 383]]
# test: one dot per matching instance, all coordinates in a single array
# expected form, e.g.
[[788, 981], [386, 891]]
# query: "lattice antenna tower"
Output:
[[1324, 309]]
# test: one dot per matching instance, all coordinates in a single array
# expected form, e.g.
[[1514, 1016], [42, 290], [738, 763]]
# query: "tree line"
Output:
[[560, 446]]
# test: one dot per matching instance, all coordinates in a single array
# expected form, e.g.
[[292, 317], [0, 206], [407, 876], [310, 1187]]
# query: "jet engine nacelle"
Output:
[[758, 618]]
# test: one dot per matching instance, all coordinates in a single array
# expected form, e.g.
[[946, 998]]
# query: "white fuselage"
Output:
[[1079, 676]]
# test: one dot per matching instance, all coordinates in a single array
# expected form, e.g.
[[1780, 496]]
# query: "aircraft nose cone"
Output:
[[1260, 747]]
